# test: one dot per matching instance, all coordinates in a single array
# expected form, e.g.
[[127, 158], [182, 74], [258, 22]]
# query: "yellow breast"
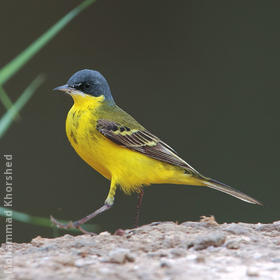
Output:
[[82, 134], [130, 169]]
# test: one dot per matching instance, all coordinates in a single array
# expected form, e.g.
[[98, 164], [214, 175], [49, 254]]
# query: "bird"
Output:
[[113, 143]]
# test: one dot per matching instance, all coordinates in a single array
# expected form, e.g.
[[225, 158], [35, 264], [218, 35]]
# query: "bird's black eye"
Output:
[[86, 85], [82, 86]]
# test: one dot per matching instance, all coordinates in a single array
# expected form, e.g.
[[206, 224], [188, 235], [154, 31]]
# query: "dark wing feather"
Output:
[[142, 141]]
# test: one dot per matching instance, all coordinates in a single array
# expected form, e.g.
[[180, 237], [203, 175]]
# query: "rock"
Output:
[[165, 263], [269, 227], [119, 255], [252, 272], [233, 244], [178, 252], [162, 250], [236, 229], [215, 239], [119, 232]]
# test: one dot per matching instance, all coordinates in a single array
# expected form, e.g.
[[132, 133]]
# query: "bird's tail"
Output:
[[214, 184]]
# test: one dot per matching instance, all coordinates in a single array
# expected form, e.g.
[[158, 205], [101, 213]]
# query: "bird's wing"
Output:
[[141, 140]]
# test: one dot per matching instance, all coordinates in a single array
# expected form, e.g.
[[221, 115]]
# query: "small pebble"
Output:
[[236, 229], [119, 232], [119, 255], [204, 241], [233, 245], [200, 259], [252, 272], [104, 233], [164, 263], [178, 252]]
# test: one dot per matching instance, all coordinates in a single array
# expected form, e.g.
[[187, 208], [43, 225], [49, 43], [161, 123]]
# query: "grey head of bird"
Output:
[[89, 82]]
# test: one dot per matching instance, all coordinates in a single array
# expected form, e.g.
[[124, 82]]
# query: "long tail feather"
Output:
[[214, 184]]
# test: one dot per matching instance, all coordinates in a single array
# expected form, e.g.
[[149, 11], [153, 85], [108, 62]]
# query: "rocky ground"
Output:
[[191, 250]]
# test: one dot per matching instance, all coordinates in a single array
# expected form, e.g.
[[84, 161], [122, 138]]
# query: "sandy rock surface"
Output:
[[192, 250]]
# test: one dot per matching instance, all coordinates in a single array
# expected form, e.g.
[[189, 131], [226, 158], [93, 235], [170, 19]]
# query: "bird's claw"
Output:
[[61, 225], [70, 225]]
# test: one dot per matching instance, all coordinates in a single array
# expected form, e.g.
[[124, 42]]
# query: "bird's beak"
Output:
[[69, 90], [64, 88]]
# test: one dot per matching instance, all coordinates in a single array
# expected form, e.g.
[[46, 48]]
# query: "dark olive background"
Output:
[[201, 75]]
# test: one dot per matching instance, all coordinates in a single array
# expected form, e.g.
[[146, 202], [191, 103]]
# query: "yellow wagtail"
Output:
[[122, 150]]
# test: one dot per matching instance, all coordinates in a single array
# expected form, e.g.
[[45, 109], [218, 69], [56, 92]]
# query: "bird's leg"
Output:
[[77, 224], [138, 206]]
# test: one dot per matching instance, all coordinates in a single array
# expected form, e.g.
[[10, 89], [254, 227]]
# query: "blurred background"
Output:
[[201, 75]]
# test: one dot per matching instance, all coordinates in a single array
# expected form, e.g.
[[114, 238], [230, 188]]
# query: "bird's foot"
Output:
[[77, 224], [70, 225]]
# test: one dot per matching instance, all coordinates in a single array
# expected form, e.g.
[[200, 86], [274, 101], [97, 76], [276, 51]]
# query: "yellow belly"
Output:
[[129, 169]]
